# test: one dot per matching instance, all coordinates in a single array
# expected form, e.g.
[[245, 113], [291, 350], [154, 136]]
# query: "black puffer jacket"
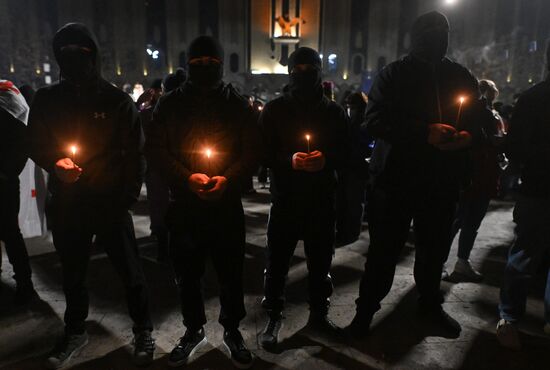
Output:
[[285, 122], [101, 121], [186, 123]]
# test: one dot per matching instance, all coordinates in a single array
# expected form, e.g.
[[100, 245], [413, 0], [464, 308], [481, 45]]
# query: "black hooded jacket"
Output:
[[529, 140], [187, 122], [409, 95], [285, 121], [13, 151], [100, 120]]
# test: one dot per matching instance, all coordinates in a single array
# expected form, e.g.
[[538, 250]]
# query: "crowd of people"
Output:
[[426, 148]]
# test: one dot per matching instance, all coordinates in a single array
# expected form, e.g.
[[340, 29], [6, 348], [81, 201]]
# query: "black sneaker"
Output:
[[240, 355], [25, 293], [270, 336], [437, 322], [322, 323], [144, 348], [186, 348], [69, 346], [359, 327]]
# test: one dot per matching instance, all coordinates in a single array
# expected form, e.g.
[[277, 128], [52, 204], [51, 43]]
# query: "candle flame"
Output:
[[462, 99], [73, 149], [208, 153], [307, 137]]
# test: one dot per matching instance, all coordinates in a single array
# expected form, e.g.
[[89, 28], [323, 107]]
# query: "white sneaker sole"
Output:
[[238, 365], [201, 344]]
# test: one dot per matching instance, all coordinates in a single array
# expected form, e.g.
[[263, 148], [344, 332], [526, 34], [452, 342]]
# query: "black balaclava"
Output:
[[305, 84], [430, 37], [206, 77], [77, 66]]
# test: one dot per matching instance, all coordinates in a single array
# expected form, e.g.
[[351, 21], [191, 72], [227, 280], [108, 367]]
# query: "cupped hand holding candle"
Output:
[[298, 161], [198, 182], [440, 133], [314, 162], [216, 189], [67, 171]]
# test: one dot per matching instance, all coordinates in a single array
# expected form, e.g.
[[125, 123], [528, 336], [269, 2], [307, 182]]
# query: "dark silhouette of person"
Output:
[[87, 134], [306, 136], [13, 157], [204, 141], [528, 147], [423, 130]]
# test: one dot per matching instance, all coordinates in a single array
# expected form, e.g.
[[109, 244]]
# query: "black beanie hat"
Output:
[[156, 84], [205, 46], [304, 55], [174, 80]]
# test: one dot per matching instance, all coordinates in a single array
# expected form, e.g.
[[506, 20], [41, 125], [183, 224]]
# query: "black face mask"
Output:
[[431, 46], [205, 76], [305, 81], [77, 66]]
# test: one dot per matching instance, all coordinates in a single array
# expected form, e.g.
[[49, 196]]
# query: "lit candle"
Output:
[[208, 154], [461, 100], [73, 154], [308, 139]]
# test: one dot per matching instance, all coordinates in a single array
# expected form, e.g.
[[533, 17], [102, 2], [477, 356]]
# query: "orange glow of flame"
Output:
[[308, 137], [208, 153], [73, 150], [462, 99]]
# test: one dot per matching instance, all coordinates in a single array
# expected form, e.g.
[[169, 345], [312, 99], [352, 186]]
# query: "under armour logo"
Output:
[[101, 115]]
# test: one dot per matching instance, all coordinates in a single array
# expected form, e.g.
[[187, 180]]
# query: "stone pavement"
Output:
[[397, 340]]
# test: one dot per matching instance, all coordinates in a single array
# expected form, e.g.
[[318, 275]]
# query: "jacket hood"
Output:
[[430, 37], [205, 46], [304, 55], [76, 34]]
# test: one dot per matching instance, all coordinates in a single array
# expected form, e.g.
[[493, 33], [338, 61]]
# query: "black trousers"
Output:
[[10, 233], [217, 233], [73, 231], [390, 217], [290, 222], [350, 199]]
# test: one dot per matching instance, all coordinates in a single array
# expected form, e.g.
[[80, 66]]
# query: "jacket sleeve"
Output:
[[157, 149], [13, 147], [250, 154], [274, 155], [521, 141], [131, 136], [43, 148], [384, 117], [339, 153]]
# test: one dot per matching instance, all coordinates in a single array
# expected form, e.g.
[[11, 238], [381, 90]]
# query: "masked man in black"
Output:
[[421, 111], [87, 134], [306, 137], [204, 140]]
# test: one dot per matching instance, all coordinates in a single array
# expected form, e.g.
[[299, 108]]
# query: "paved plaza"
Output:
[[397, 339]]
